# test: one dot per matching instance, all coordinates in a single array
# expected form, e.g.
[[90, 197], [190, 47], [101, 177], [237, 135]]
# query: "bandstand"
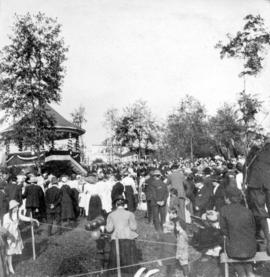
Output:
[[63, 153]]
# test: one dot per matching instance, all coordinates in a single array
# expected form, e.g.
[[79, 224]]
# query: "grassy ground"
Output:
[[74, 252]]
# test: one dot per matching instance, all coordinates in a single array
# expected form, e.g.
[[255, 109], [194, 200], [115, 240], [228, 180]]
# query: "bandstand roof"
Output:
[[64, 128]]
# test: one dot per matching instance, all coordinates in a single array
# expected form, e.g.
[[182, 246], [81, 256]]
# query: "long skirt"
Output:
[[128, 256], [131, 205], [3, 271], [95, 207], [3, 268]]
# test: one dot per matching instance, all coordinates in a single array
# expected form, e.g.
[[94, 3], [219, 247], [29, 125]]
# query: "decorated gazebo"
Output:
[[66, 156]]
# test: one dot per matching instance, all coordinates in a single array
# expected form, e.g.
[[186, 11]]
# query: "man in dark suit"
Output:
[[3, 201], [238, 225], [207, 177], [218, 193], [148, 194], [158, 195], [53, 198], [35, 202], [203, 198], [13, 191]]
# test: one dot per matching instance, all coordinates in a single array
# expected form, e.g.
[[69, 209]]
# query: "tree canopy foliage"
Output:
[[226, 131], [249, 44], [189, 130], [31, 75], [135, 129], [186, 132], [78, 116]]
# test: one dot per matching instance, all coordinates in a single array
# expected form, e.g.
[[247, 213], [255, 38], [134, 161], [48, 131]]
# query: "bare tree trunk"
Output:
[[191, 148]]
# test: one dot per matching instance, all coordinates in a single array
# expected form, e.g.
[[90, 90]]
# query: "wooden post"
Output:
[[226, 264], [33, 237], [118, 258]]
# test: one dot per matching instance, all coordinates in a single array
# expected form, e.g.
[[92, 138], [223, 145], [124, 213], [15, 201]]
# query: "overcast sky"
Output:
[[155, 50]]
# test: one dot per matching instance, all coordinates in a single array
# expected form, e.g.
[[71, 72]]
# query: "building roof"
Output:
[[63, 127]]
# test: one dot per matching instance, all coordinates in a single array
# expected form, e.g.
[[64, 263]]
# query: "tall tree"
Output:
[[135, 129], [187, 132], [227, 130], [31, 75], [249, 106], [249, 45]]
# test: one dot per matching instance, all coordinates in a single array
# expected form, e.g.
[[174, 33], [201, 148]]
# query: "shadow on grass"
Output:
[[71, 266], [40, 247]]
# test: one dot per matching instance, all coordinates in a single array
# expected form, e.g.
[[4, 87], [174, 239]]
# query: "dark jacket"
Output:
[[3, 204], [148, 187], [208, 181], [219, 197], [34, 197], [238, 225], [158, 191], [13, 192], [53, 195], [258, 175], [189, 188], [203, 200], [67, 207]]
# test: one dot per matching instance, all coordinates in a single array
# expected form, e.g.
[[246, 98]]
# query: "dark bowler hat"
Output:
[[119, 198], [207, 171]]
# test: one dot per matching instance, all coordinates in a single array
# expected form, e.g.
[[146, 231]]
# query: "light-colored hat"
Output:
[[33, 180], [156, 173], [64, 179], [13, 204], [211, 216], [91, 179]]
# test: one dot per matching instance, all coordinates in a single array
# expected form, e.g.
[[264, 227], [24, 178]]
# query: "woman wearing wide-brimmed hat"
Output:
[[10, 223]]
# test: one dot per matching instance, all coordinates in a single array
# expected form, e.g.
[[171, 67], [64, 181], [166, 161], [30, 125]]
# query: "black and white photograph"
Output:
[[134, 138]]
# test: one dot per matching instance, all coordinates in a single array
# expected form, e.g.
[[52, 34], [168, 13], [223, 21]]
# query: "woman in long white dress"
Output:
[[10, 223]]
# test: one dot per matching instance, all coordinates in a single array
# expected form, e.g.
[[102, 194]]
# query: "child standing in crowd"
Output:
[[174, 203], [181, 242], [167, 254], [10, 223]]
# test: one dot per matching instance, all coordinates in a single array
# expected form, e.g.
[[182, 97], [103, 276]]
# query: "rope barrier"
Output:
[[115, 268], [61, 226], [157, 242], [126, 266], [78, 228]]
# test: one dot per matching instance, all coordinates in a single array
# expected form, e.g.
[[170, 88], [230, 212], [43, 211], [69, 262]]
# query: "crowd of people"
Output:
[[208, 194]]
